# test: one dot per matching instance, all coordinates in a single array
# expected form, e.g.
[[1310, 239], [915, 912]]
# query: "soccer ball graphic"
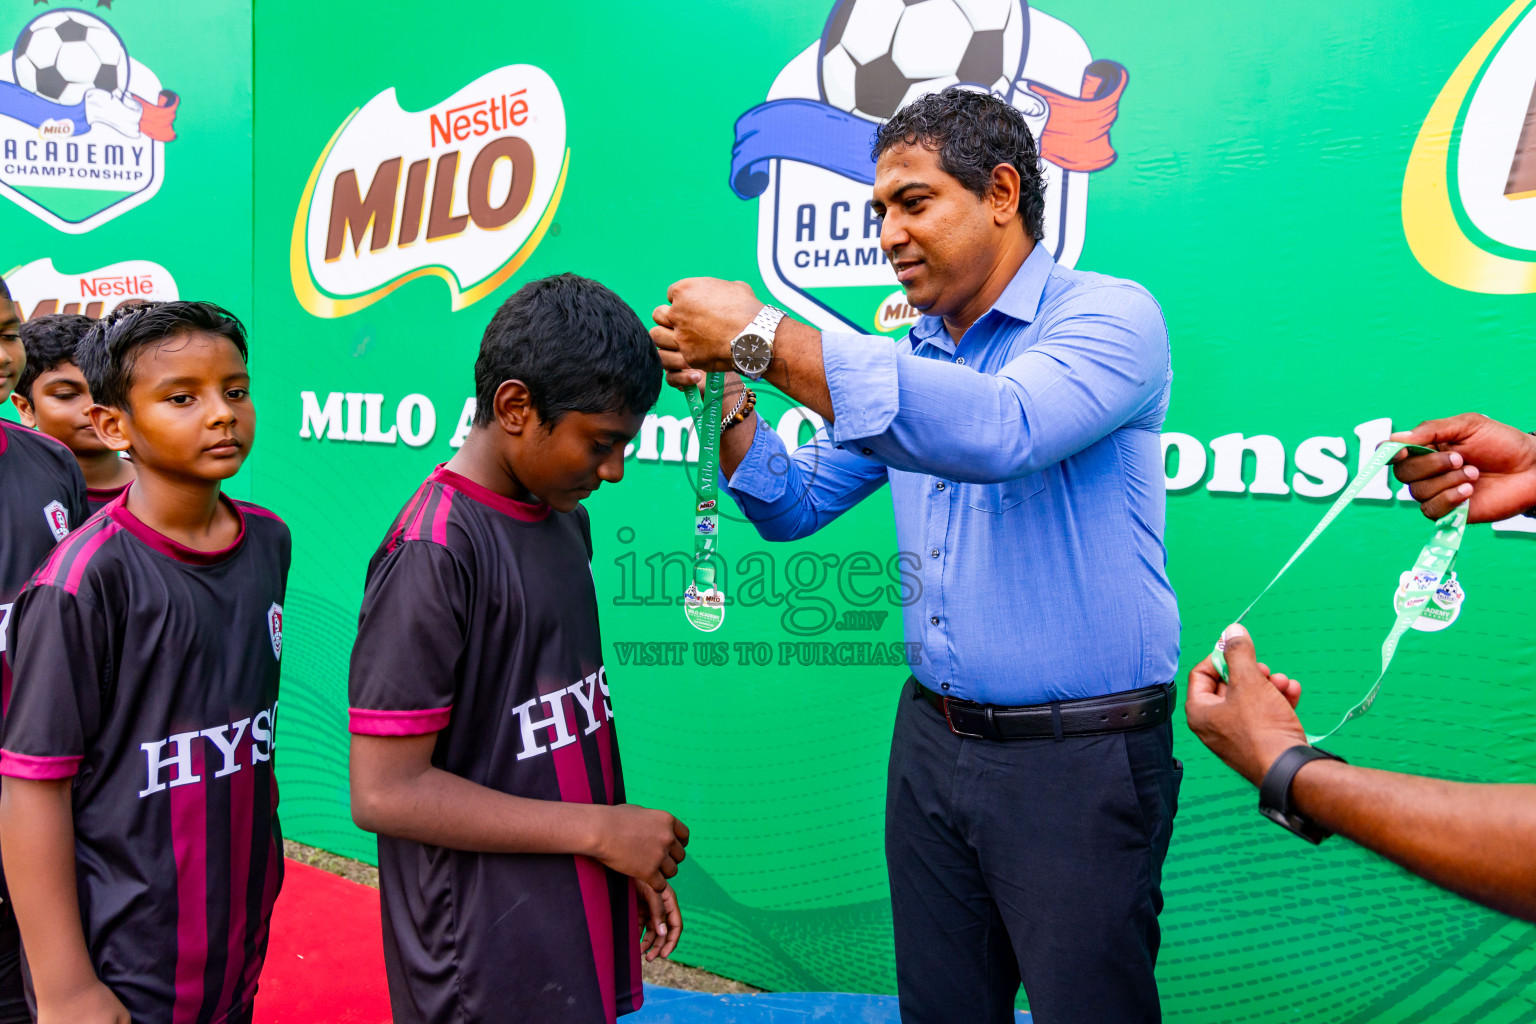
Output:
[[879, 55], [63, 53]]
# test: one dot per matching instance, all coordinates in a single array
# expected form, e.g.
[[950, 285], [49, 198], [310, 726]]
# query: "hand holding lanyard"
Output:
[[1428, 596]]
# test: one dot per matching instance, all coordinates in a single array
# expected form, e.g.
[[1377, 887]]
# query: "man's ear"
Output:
[[109, 424], [1004, 197], [513, 407], [24, 409]]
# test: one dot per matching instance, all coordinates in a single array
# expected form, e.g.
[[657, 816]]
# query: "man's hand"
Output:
[[93, 1004], [1490, 462], [1249, 721], [661, 923], [642, 843], [694, 329]]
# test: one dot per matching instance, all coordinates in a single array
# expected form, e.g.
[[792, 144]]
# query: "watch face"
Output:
[[751, 353]]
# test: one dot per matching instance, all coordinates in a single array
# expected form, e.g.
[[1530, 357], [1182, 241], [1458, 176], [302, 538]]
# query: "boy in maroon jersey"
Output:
[[42, 497], [51, 397], [483, 747], [138, 821]]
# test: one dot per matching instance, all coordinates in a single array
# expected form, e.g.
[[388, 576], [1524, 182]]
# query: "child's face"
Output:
[[13, 358], [60, 407], [583, 452], [189, 409]]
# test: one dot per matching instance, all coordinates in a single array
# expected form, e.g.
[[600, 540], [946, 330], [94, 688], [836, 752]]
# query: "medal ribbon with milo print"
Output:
[[1428, 596], [703, 601]]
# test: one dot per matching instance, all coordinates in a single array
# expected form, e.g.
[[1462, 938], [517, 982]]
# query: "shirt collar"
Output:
[[1020, 300]]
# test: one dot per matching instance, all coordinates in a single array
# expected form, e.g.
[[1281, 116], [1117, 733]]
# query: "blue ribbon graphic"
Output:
[[805, 130], [34, 110]]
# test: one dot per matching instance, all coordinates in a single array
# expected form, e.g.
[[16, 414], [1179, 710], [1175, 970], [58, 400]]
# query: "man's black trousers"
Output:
[[1038, 861]]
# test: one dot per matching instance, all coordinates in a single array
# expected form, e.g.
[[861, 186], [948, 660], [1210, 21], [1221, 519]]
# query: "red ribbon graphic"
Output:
[[157, 119], [1076, 135]]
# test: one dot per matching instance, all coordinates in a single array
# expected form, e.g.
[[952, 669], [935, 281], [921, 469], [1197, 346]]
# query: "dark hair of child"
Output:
[[107, 354], [577, 347], [50, 342]]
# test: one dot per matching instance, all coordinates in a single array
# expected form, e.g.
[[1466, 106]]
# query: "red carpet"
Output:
[[325, 960]]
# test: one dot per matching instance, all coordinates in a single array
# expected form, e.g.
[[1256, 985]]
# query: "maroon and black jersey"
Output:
[[147, 672], [100, 497], [42, 498], [479, 624]]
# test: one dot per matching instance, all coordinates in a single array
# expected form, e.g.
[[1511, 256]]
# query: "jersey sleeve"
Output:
[[59, 657], [410, 641]]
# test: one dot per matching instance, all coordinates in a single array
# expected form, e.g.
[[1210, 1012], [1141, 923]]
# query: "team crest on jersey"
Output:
[[804, 153], [1469, 194], [275, 629], [58, 519], [83, 126]]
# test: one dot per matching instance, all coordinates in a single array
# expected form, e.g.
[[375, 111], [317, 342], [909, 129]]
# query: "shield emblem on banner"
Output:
[[83, 126], [804, 152]]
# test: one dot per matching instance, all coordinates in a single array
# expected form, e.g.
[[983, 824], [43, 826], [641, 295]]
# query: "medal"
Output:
[[1428, 597], [703, 601]]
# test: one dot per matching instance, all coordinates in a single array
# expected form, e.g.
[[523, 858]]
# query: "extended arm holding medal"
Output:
[[1477, 840], [694, 330]]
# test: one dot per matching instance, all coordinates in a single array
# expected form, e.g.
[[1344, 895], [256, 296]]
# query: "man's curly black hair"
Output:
[[972, 132]]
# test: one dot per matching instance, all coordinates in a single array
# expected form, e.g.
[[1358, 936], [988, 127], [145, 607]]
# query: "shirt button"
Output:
[[934, 620], [935, 552], [939, 486], [944, 686], [960, 361], [867, 451]]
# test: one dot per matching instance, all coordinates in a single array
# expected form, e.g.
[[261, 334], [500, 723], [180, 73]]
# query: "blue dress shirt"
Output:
[[1026, 472]]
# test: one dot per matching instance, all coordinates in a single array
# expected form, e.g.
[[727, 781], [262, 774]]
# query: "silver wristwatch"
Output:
[[752, 349]]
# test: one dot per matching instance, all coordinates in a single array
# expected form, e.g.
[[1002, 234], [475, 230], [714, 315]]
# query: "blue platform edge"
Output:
[[675, 1006]]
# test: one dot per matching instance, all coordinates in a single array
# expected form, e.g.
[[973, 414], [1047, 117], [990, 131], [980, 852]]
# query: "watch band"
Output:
[[1275, 792], [761, 331], [767, 320]]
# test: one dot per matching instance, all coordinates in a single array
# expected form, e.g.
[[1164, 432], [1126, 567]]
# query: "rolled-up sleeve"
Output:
[[1100, 361], [792, 495]]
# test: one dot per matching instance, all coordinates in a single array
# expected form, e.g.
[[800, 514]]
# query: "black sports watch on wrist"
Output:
[[1275, 792]]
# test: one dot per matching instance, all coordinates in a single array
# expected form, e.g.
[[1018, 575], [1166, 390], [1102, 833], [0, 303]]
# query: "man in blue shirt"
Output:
[[1032, 784]]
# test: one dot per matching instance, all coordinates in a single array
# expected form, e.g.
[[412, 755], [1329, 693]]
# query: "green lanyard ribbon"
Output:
[[1428, 598], [703, 602]]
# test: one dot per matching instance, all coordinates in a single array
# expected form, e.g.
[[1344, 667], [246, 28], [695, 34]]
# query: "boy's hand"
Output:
[[642, 843], [92, 1004], [661, 923]]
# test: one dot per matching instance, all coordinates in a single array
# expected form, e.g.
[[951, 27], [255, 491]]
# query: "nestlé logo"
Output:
[[40, 289]]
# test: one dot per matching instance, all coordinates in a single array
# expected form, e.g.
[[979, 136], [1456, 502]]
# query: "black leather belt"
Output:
[[1084, 716]]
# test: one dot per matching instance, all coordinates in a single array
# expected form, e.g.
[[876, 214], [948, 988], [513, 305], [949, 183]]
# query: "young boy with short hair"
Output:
[[42, 497], [51, 397], [483, 746], [138, 819]]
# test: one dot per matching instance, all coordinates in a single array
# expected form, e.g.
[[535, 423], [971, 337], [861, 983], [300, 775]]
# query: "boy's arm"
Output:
[[397, 791], [37, 842]]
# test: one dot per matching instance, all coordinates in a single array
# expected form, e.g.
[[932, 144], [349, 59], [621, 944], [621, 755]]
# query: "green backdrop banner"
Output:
[[1334, 203]]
